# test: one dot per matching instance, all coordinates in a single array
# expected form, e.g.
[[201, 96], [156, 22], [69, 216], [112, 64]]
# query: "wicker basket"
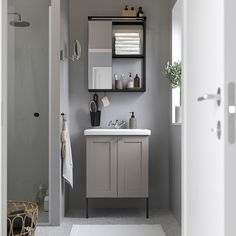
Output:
[[22, 218]]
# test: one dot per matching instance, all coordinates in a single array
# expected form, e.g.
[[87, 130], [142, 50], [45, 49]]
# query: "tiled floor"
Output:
[[121, 216]]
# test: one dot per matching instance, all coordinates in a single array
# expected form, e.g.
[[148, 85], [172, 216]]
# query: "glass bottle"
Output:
[[137, 81], [40, 195], [46, 201], [130, 81]]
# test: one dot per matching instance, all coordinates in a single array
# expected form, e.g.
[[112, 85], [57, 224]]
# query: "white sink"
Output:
[[117, 132]]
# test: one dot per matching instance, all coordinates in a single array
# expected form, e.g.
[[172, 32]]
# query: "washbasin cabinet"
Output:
[[117, 167]]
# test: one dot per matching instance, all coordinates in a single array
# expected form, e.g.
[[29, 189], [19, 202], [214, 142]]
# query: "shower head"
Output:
[[18, 22]]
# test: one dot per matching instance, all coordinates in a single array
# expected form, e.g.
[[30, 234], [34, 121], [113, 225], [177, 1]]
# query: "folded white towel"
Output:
[[127, 42], [127, 34], [127, 38], [66, 154]]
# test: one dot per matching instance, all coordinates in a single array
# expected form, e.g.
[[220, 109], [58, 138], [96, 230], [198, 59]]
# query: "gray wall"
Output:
[[175, 166], [64, 83], [152, 108]]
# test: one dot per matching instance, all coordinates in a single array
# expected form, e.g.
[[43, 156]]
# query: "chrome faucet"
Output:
[[118, 124]]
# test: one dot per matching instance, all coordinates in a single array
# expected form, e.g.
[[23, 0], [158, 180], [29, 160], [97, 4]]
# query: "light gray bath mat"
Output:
[[117, 230]]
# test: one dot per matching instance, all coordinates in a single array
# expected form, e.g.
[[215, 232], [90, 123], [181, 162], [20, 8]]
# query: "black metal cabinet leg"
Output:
[[147, 208], [87, 215]]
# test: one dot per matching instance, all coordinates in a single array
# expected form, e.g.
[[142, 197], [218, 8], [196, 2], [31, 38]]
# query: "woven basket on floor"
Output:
[[21, 218]]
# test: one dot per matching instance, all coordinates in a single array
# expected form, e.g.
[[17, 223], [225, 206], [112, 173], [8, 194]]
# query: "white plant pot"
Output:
[[178, 114]]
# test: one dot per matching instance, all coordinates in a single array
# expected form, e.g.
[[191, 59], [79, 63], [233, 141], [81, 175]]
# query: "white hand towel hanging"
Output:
[[66, 154]]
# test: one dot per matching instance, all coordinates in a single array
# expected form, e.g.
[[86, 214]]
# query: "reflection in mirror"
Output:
[[100, 55]]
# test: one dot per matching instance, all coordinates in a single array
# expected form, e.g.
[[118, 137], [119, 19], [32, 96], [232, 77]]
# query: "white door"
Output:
[[209, 158]]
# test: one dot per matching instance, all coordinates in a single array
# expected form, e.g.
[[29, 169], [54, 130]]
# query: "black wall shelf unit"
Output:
[[139, 60]]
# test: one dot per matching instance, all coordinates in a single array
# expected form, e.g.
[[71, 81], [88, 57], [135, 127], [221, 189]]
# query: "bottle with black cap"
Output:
[[132, 121]]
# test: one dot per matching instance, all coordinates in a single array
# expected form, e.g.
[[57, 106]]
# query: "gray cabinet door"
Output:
[[101, 166], [133, 167]]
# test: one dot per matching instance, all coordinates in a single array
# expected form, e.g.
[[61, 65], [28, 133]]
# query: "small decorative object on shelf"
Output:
[[140, 12], [136, 81], [127, 12], [118, 82]]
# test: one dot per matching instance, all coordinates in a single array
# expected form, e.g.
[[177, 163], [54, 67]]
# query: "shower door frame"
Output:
[[55, 183], [55, 179], [3, 116]]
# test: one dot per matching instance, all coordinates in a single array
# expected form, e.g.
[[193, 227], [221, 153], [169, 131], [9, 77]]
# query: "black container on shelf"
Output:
[[95, 118], [136, 81]]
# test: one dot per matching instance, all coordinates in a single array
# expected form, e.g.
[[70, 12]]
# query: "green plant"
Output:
[[173, 73]]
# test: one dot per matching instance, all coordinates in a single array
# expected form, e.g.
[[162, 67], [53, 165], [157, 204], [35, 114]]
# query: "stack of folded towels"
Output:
[[127, 43]]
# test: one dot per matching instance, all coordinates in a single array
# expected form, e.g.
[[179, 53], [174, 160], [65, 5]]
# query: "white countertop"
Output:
[[117, 132]]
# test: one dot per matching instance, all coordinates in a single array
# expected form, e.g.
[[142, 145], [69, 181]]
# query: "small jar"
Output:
[[118, 83]]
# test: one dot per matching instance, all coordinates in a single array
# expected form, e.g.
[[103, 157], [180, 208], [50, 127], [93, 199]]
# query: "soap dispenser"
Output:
[[130, 82], [132, 121]]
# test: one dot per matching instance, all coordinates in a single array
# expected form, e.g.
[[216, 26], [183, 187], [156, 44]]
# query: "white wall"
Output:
[[151, 108], [1, 154], [175, 130]]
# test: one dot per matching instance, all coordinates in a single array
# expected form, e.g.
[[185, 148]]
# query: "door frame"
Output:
[[3, 116], [183, 127]]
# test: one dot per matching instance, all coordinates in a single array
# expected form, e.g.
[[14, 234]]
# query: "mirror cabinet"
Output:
[[117, 54]]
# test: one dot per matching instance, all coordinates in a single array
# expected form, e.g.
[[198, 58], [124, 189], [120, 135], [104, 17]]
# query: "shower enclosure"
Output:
[[33, 118]]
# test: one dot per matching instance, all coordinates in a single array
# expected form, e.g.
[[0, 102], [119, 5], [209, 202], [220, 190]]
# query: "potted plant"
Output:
[[173, 72]]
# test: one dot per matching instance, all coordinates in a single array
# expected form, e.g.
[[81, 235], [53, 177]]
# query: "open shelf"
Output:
[[118, 90], [117, 18], [128, 56]]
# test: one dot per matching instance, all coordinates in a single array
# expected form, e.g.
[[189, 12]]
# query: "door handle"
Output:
[[216, 97]]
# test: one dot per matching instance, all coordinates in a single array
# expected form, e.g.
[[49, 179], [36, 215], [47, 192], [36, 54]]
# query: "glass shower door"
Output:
[[28, 103]]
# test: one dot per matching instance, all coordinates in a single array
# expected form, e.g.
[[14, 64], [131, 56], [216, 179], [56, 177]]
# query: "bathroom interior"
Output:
[[97, 71]]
